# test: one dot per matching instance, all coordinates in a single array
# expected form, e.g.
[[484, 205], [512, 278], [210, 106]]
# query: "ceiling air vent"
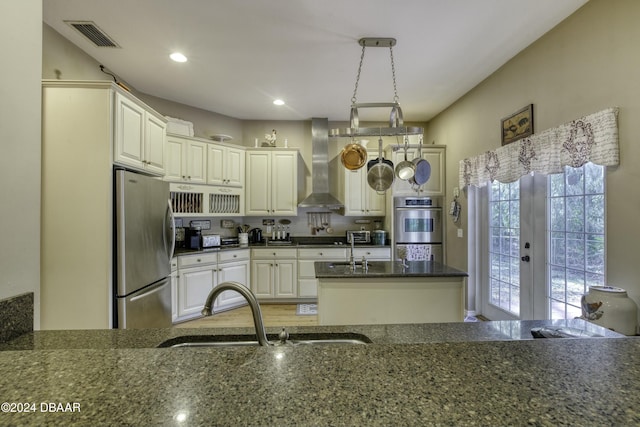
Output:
[[91, 31]]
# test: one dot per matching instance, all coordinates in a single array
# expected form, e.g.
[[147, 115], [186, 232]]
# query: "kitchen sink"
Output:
[[250, 340], [344, 267]]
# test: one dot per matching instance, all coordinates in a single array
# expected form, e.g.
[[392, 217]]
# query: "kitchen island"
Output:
[[384, 292], [460, 374]]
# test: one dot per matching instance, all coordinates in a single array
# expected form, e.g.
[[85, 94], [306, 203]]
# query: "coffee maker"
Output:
[[193, 238], [255, 235]]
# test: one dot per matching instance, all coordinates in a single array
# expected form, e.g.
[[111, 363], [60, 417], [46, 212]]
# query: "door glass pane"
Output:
[[594, 179], [504, 247], [594, 206], [557, 248], [576, 225]]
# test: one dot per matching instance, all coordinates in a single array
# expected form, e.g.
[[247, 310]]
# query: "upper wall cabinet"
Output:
[[435, 185], [359, 198], [140, 135], [225, 165], [186, 160], [272, 182]]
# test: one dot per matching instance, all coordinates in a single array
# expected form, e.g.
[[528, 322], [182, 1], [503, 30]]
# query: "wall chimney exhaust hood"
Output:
[[320, 196]]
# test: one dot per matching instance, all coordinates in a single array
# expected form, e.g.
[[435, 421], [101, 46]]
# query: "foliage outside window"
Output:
[[504, 246], [576, 236]]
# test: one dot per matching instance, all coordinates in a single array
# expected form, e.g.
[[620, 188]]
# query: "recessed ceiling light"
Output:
[[278, 102], [178, 57]]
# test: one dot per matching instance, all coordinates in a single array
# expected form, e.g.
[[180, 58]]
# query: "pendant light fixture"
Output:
[[396, 124]]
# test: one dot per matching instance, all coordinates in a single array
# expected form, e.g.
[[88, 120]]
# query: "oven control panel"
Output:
[[417, 202]]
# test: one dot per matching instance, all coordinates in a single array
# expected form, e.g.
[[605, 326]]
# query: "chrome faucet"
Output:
[[251, 299], [352, 262]]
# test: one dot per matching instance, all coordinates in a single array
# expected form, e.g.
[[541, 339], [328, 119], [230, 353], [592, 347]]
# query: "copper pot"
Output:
[[353, 156]]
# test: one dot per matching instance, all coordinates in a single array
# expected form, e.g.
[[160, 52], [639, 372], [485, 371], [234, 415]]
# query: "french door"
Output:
[[541, 244]]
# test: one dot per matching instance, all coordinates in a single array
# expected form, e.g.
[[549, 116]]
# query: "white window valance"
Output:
[[593, 138]]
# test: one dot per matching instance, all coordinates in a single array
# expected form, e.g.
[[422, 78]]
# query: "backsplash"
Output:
[[299, 226], [16, 316]]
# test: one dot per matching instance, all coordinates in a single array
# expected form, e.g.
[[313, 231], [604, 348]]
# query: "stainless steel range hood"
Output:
[[320, 196]]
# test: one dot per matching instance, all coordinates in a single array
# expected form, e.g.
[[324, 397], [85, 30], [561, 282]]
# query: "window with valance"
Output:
[[593, 138]]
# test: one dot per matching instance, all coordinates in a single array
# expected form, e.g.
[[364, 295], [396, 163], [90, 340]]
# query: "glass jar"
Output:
[[379, 237], [611, 308]]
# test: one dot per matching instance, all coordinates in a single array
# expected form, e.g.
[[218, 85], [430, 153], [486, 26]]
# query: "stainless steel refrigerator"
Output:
[[143, 247]]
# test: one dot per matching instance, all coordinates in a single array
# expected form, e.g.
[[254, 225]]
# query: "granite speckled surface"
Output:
[[16, 316], [421, 375], [311, 242], [336, 270]]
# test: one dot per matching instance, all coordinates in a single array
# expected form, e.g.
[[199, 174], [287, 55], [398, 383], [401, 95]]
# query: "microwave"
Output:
[[210, 240], [359, 236]]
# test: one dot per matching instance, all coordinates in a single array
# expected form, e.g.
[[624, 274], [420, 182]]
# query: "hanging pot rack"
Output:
[[396, 121]]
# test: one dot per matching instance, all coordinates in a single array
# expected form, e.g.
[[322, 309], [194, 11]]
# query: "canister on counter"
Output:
[[379, 237], [611, 307]]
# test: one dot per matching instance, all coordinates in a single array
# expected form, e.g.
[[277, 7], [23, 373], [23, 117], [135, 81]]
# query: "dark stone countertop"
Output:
[[295, 243], [429, 374], [381, 269]]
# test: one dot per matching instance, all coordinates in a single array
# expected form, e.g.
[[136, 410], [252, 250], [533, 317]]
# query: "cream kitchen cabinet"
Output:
[[140, 135], [435, 186], [196, 278], [199, 273], [225, 165], [359, 198], [307, 282], [174, 288], [272, 177], [233, 266], [186, 160], [274, 273], [372, 254]]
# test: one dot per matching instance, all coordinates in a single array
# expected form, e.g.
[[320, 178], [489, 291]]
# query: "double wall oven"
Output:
[[418, 232]]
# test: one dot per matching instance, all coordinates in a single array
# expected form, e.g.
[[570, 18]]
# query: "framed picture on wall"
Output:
[[518, 125]]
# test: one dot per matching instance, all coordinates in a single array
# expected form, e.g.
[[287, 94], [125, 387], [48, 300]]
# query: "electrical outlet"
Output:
[[460, 232], [456, 192]]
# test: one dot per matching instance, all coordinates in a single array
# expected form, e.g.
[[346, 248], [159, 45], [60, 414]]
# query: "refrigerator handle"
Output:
[[173, 229]]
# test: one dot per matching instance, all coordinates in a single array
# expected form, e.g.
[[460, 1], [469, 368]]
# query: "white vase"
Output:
[[611, 308]]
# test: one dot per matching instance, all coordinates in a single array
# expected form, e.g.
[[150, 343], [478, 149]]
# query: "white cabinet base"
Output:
[[392, 300]]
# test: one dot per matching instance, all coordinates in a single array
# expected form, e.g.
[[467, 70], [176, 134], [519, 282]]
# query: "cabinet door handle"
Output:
[[198, 260], [320, 254], [235, 256]]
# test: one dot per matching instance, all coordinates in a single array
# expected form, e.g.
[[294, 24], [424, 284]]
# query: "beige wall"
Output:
[[62, 60], [587, 63], [21, 44]]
